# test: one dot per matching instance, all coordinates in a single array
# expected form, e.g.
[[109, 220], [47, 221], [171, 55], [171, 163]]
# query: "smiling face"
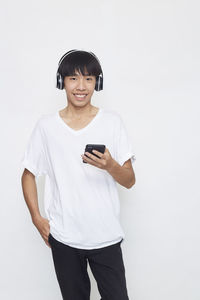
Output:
[[79, 88]]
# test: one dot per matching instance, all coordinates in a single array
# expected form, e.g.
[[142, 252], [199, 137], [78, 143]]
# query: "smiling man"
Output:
[[81, 199]]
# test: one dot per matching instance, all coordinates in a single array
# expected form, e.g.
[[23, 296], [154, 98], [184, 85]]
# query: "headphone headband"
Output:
[[62, 58]]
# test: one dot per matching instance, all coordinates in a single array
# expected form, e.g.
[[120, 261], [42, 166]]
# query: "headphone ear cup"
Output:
[[60, 83], [99, 83]]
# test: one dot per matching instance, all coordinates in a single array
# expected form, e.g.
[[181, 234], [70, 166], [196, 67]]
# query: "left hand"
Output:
[[104, 162]]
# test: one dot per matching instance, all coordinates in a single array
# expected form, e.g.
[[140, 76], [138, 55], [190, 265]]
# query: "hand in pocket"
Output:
[[42, 224]]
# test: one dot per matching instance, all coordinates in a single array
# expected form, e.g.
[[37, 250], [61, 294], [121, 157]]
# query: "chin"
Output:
[[78, 102]]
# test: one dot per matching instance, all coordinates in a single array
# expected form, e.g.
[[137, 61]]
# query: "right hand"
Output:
[[42, 224]]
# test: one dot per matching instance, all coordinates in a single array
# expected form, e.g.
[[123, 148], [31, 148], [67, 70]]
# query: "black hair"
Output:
[[82, 61]]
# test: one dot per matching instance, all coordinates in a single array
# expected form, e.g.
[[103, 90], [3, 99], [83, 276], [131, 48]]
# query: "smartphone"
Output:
[[99, 147]]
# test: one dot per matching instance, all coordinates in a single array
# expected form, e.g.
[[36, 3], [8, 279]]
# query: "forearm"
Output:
[[29, 189], [124, 176]]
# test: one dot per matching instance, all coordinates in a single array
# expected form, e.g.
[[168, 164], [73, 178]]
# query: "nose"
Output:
[[81, 84]]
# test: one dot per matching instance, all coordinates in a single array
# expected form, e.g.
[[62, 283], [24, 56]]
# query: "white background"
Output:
[[149, 52]]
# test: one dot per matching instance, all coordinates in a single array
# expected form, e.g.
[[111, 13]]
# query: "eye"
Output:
[[89, 78], [72, 78]]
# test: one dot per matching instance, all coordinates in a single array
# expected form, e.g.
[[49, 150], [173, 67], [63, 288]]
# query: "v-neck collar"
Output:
[[79, 131]]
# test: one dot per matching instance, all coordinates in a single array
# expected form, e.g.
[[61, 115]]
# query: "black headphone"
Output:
[[60, 80]]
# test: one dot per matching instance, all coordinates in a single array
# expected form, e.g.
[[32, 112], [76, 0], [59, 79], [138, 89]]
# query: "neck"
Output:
[[79, 112]]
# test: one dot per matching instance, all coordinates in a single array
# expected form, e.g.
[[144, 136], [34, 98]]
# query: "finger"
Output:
[[84, 157], [93, 157], [47, 240], [91, 161], [97, 153], [48, 244]]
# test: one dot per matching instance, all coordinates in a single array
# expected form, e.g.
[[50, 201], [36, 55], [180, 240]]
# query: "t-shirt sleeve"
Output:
[[124, 148], [34, 158]]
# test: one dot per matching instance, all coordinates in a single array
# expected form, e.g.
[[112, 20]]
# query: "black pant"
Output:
[[105, 263]]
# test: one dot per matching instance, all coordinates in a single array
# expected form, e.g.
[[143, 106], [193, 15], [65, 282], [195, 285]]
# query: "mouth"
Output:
[[80, 96]]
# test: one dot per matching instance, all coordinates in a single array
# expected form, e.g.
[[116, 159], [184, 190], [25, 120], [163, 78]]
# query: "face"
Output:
[[79, 88]]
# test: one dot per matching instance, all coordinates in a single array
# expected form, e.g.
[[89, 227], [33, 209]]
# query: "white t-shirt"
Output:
[[80, 200]]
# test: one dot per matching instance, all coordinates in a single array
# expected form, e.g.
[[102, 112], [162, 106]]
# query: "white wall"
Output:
[[149, 51]]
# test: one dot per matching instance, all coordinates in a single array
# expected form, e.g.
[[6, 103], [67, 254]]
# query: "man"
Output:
[[81, 199]]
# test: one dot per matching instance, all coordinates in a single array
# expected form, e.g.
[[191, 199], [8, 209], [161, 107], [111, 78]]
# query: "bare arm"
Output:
[[29, 189], [124, 175]]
